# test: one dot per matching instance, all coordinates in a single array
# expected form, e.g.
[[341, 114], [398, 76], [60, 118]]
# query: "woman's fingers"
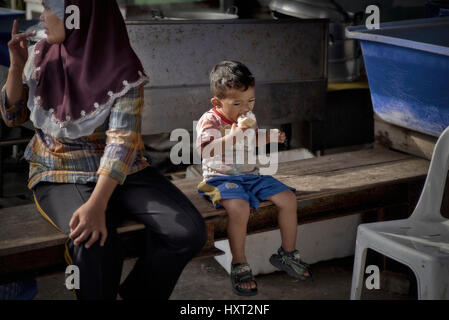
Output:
[[23, 36], [104, 235], [76, 232], [84, 235], [15, 28], [75, 226], [23, 44], [81, 233], [93, 237], [74, 221], [16, 39]]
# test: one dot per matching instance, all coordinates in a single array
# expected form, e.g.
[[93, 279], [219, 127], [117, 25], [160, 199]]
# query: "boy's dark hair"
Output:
[[228, 75]]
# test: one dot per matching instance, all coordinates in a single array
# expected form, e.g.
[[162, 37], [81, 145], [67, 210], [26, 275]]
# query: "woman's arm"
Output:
[[123, 140], [14, 95], [18, 54], [90, 218], [14, 86], [16, 114]]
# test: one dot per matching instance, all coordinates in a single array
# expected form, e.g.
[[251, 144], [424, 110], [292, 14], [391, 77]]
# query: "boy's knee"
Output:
[[285, 199], [238, 207], [291, 197]]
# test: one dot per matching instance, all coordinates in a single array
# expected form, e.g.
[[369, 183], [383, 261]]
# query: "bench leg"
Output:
[[210, 235]]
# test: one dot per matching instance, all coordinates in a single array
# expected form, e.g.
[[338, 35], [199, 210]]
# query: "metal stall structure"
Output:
[[288, 59]]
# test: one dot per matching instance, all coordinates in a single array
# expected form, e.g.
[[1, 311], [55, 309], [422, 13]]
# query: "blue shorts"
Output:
[[250, 187]]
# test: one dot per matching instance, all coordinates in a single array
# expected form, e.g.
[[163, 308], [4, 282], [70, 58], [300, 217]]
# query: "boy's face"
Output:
[[236, 103]]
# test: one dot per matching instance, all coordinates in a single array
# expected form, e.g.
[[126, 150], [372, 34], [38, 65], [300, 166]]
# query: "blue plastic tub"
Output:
[[10, 14], [407, 65], [20, 290]]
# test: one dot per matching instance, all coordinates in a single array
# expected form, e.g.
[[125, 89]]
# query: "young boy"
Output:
[[239, 186]]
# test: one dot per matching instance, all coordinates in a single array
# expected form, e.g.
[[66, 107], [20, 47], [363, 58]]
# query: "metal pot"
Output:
[[231, 13], [345, 61], [308, 9]]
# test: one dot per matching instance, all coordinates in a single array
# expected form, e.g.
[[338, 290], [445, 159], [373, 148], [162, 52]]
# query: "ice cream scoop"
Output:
[[247, 120]]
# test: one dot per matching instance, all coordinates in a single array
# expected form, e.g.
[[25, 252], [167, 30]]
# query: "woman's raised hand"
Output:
[[18, 49]]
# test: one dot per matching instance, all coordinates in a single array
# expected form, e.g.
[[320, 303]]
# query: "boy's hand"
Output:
[[235, 129], [236, 133], [279, 136]]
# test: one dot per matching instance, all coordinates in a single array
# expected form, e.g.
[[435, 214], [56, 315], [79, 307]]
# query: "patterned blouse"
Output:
[[114, 149]]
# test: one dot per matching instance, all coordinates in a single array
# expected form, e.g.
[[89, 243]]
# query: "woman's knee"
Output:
[[190, 235], [188, 240], [198, 236]]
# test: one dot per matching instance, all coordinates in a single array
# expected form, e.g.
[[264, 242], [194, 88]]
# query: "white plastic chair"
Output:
[[421, 242]]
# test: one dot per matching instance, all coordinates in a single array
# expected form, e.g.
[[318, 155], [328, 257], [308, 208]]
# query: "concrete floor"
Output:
[[205, 279]]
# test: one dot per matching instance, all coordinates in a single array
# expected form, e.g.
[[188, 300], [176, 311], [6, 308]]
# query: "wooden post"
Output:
[[210, 235]]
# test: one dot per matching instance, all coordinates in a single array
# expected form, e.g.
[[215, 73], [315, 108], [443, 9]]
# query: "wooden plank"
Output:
[[318, 185], [357, 177], [27, 229], [333, 162], [402, 139], [337, 175], [40, 234], [38, 261]]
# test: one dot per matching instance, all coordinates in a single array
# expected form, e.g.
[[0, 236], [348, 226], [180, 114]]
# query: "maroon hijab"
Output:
[[90, 69]]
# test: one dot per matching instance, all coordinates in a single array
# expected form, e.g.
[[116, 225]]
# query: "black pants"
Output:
[[175, 232]]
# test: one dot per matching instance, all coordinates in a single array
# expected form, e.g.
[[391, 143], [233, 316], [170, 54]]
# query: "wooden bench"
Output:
[[375, 182]]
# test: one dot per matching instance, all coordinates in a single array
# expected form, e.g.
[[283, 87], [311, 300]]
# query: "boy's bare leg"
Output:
[[238, 214], [287, 218]]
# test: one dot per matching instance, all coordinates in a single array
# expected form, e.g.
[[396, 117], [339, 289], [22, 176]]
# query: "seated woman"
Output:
[[82, 88]]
